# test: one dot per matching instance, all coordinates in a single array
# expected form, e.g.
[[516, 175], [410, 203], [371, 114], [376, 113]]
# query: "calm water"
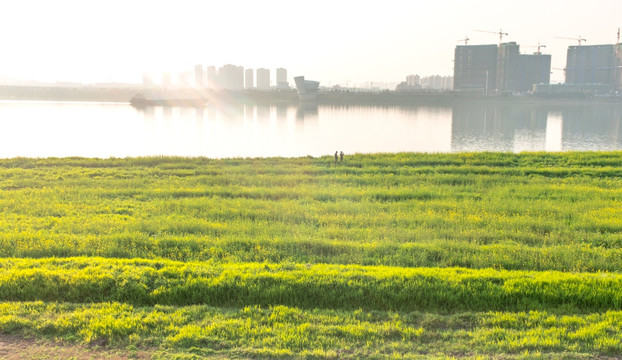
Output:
[[43, 129]]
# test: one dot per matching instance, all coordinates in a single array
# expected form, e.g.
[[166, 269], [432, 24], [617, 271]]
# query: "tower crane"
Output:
[[466, 40], [539, 46], [500, 32], [579, 39]]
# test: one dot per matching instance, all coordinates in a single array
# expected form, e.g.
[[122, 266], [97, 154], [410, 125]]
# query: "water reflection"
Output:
[[507, 127], [263, 113], [306, 110], [198, 116], [41, 129], [498, 127], [281, 113], [553, 141], [591, 127]]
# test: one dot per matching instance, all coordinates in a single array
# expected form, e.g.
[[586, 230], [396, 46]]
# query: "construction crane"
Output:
[[539, 46], [579, 39], [500, 32], [466, 40]]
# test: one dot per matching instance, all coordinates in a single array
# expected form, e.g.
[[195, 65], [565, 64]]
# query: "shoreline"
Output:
[[290, 97]]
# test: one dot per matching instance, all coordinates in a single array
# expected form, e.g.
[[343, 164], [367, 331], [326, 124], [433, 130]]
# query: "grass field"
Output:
[[380, 256]]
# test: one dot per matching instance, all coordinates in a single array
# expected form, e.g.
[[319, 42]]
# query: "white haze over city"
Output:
[[335, 42]]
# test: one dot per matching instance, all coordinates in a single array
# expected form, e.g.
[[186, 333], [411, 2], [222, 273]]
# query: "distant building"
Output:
[[533, 69], [507, 66], [437, 82], [448, 83], [413, 81], [263, 79], [198, 76], [591, 64], [212, 78], [499, 68], [571, 90], [249, 81], [307, 89], [403, 87], [281, 79], [590, 70], [167, 80], [475, 67], [231, 77], [434, 82]]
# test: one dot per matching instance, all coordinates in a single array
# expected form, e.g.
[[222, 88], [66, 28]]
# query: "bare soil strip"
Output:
[[18, 348]]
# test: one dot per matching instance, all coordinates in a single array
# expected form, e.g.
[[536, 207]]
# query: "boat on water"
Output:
[[168, 99]]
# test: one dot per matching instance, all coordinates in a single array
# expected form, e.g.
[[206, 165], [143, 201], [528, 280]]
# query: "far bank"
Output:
[[290, 97]]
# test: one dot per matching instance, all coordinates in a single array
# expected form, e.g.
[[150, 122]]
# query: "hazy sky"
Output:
[[330, 41]]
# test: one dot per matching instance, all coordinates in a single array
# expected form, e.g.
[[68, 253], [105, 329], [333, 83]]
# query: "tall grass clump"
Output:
[[150, 282]]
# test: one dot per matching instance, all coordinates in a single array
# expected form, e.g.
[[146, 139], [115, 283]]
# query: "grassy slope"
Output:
[[528, 211], [259, 221]]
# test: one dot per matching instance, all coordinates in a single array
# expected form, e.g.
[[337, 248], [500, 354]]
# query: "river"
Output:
[[88, 129]]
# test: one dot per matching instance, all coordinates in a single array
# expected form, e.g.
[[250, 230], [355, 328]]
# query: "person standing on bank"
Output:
[[341, 156], [336, 156]]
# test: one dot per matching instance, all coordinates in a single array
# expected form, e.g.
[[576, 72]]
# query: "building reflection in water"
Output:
[[535, 127], [234, 129], [281, 113], [230, 111], [263, 113], [167, 114], [591, 126], [306, 110], [198, 116], [498, 127]]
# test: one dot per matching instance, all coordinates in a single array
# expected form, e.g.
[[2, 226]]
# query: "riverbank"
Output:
[[378, 256], [290, 97]]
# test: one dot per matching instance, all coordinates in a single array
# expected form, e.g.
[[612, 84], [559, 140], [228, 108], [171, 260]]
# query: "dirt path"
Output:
[[17, 348]]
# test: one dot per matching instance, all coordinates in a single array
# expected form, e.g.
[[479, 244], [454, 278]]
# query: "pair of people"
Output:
[[338, 156]]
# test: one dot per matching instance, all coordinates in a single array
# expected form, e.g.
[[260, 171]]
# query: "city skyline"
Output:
[[342, 43]]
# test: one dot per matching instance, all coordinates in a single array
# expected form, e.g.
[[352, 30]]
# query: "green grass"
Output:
[[526, 211], [286, 332], [150, 282], [381, 256]]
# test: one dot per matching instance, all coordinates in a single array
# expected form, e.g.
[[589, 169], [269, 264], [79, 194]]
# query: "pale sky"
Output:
[[330, 41]]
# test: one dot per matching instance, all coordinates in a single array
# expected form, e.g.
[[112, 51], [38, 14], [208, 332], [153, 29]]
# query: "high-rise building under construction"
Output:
[[533, 69], [507, 66], [592, 64], [500, 68], [475, 67]]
